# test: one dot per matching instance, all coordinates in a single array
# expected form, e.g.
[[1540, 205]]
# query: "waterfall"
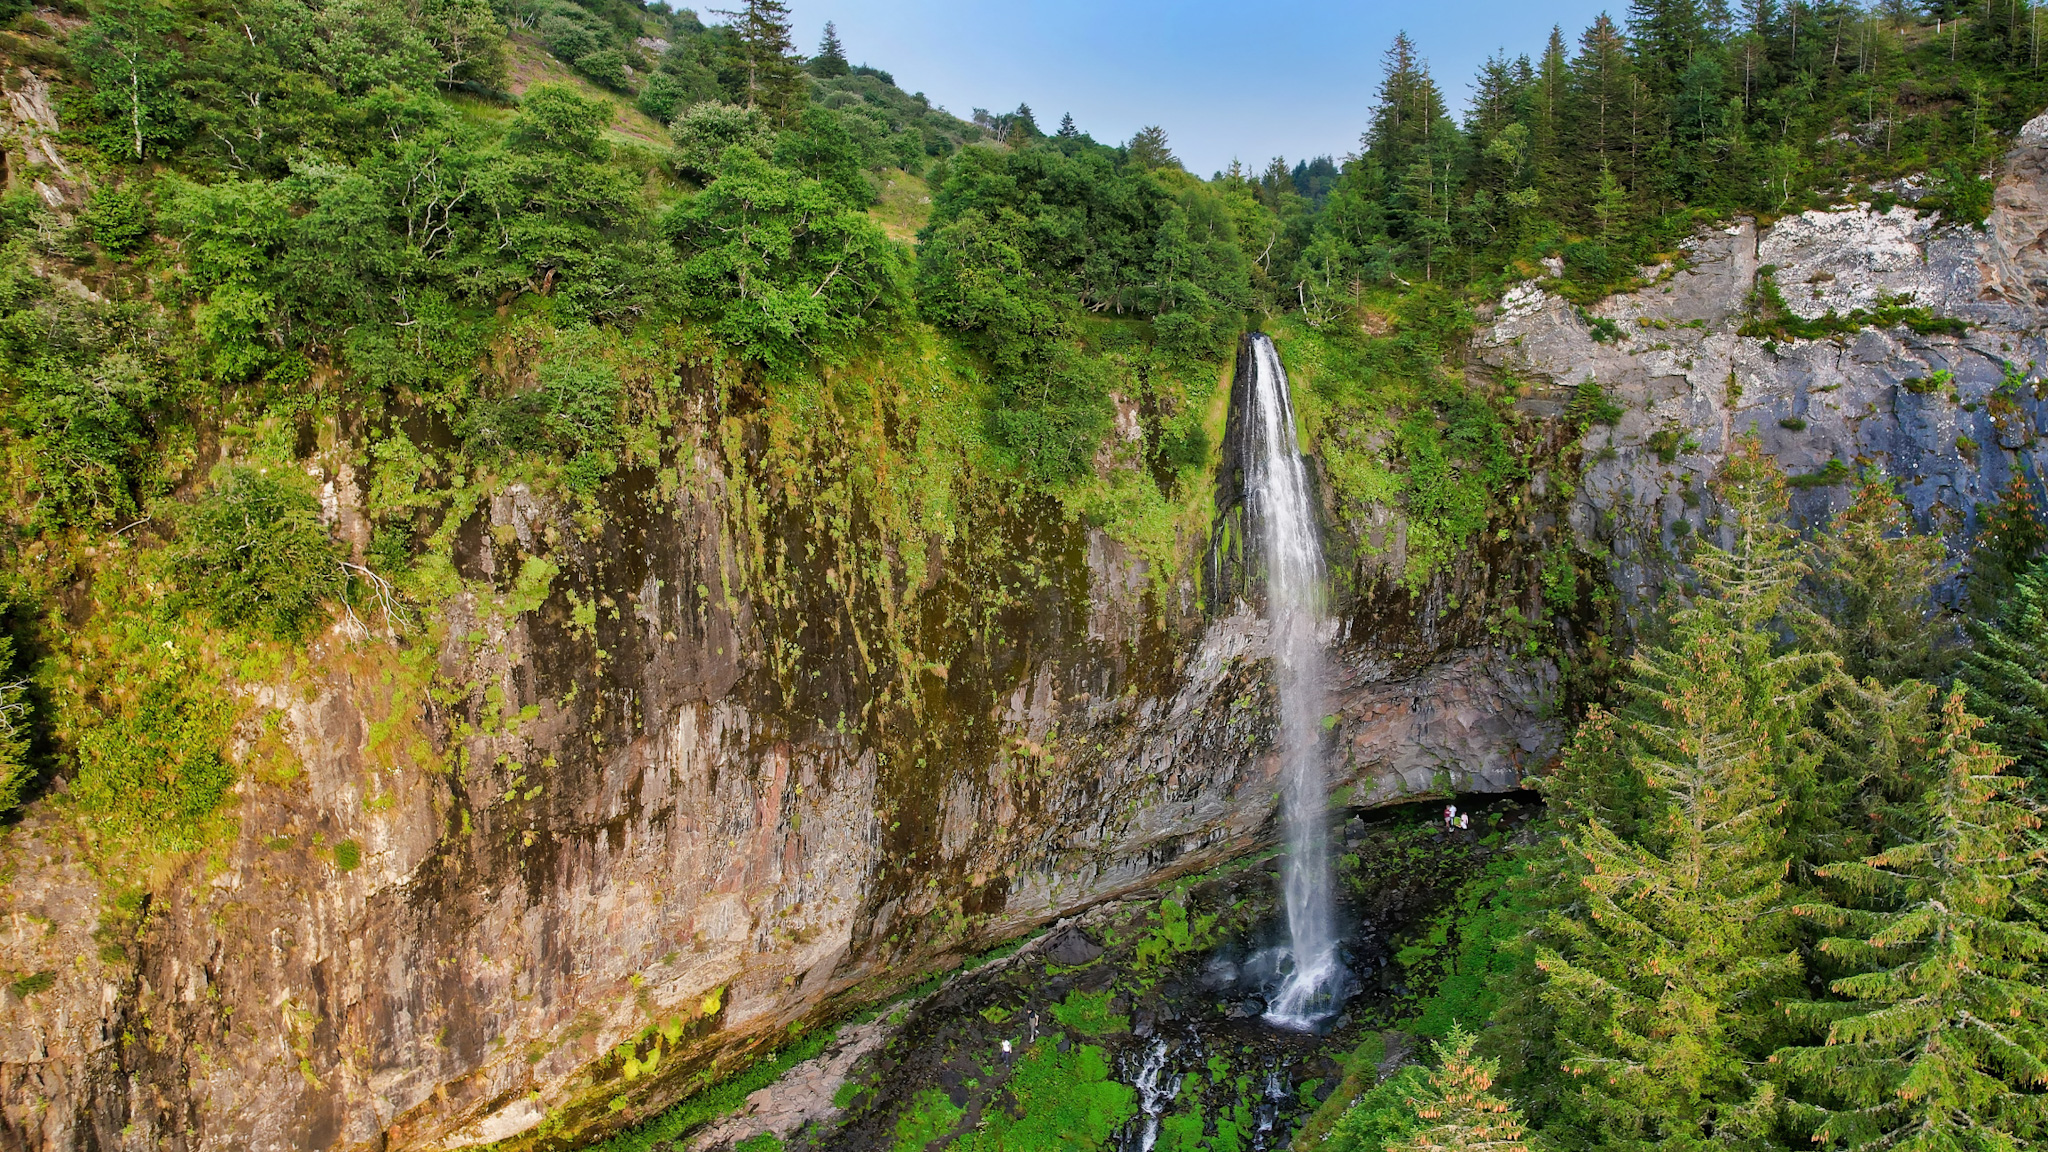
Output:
[[1277, 494]]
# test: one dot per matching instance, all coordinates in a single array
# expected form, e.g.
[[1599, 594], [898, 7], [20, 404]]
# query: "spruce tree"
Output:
[[1067, 130], [1869, 598], [1148, 149], [1661, 974], [1599, 101], [831, 58], [1937, 1042], [764, 65], [1460, 1112], [2007, 673], [1408, 108], [1548, 102], [1666, 33]]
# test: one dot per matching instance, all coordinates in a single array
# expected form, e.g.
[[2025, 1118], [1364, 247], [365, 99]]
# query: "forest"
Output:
[[1790, 886]]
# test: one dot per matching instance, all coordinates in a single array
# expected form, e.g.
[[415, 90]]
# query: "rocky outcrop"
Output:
[[1953, 417]]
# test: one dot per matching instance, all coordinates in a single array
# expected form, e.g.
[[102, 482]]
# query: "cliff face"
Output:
[[629, 832], [1954, 417], [719, 779]]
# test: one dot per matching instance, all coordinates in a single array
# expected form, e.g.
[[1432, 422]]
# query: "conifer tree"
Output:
[[765, 61], [1067, 130], [831, 58], [1408, 108], [1548, 104], [1148, 149], [1662, 973], [1666, 33], [1599, 102], [1870, 594], [1938, 1042], [1610, 206], [1499, 98], [2007, 673], [1461, 1114]]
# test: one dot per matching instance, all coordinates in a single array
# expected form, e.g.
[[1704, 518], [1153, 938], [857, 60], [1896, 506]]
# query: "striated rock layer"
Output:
[[665, 814]]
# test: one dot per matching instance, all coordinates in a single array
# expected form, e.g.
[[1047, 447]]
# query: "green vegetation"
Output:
[[931, 1115], [718, 1097], [254, 552], [1787, 889], [1089, 1014], [1055, 1100], [331, 287]]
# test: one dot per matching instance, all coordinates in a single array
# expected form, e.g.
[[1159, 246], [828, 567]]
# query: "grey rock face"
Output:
[[1690, 383]]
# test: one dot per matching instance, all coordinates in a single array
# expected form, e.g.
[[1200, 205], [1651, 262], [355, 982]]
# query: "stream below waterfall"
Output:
[[1152, 1035]]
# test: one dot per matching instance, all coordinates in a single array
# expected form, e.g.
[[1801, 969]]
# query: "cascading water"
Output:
[[1153, 1097], [1277, 492]]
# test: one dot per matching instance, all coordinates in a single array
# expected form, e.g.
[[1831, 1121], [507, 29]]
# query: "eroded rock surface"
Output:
[[1953, 417], [628, 837]]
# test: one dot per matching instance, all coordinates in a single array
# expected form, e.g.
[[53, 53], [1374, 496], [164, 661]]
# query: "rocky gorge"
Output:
[[624, 824]]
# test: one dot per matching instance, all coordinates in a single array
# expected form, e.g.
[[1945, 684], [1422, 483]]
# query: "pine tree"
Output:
[[1938, 1042], [1067, 130], [1870, 595], [1462, 1115], [831, 58]]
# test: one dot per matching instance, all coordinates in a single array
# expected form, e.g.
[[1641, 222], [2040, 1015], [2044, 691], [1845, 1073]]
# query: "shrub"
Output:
[[348, 855], [154, 763], [88, 427], [1590, 405], [1833, 472], [573, 415], [15, 771], [28, 986], [252, 552], [1382, 1116], [118, 218], [704, 131], [1922, 385], [605, 67]]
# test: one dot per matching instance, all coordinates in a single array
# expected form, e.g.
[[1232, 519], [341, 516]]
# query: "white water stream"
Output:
[[1278, 495]]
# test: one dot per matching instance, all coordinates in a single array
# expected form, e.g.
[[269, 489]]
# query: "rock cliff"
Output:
[[1953, 411], [604, 842]]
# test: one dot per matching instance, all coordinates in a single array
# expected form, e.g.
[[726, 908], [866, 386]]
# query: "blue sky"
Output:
[[1224, 80]]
